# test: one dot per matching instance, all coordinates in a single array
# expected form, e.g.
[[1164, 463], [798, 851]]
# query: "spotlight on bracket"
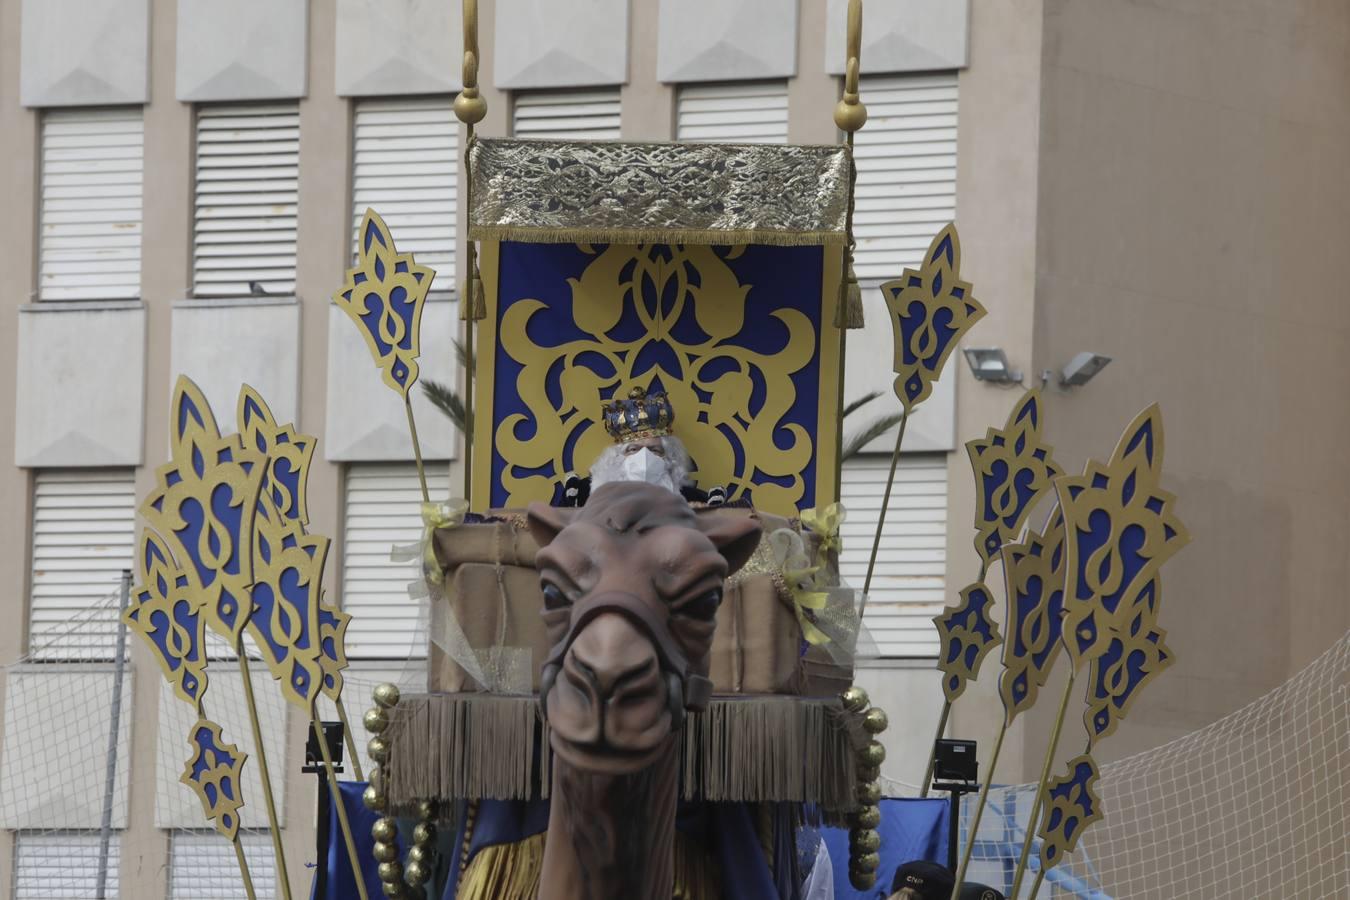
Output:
[[991, 364], [1082, 368]]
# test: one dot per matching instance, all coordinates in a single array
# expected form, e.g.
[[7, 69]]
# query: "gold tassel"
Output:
[[697, 874], [848, 312], [474, 305], [504, 871]]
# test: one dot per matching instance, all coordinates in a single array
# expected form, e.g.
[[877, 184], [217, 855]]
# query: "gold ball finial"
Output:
[[875, 720], [470, 107], [384, 830], [862, 880], [869, 793], [864, 840], [867, 818], [415, 874], [378, 748], [376, 720], [854, 699], [874, 754], [390, 872], [385, 852], [374, 799], [386, 695], [867, 862]]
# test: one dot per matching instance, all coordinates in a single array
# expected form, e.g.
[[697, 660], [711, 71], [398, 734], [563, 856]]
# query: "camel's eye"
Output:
[[554, 598], [704, 606]]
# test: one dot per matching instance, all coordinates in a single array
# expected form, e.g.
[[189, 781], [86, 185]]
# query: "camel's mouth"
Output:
[[606, 760], [614, 719]]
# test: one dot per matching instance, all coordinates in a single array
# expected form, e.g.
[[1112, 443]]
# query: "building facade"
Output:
[[1156, 183]]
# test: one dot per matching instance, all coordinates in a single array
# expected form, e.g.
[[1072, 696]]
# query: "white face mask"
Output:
[[644, 465]]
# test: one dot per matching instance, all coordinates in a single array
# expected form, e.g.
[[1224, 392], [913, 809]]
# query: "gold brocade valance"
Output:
[[611, 192]]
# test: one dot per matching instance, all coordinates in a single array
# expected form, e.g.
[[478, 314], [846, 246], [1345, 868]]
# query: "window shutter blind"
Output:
[[63, 865], [247, 191], [909, 584], [202, 866], [583, 114], [84, 530], [405, 165], [906, 158], [383, 511], [746, 112], [90, 210]]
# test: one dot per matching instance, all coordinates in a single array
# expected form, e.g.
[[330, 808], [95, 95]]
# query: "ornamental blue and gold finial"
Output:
[[1033, 571], [966, 634], [203, 507], [1120, 528], [384, 295], [930, 310], [1013, 470]]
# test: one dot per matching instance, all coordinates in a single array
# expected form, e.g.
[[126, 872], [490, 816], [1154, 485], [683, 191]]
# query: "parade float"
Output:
[[640, 677]]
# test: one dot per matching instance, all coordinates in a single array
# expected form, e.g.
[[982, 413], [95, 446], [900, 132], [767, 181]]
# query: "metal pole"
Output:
[[110, 779], [954, 831]]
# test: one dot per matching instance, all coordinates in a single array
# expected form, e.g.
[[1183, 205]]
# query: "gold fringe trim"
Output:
[[512, 871], [504, 872], [766, 749], [697, 874], [756, 749], [534, 234], [451, 746]]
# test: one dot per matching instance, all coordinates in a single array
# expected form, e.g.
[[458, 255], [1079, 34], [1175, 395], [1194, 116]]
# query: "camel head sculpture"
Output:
[[632, 582]]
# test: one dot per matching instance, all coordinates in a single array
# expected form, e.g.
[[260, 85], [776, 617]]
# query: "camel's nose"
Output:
[[613, 658]]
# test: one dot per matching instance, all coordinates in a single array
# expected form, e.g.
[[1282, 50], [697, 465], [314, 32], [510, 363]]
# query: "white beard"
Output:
[[669, 471]]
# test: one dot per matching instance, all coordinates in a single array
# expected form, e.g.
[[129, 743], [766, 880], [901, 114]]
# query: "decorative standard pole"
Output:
[[110, 777], [470, 108]]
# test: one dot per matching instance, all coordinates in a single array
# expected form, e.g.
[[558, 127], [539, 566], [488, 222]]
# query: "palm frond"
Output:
[[462, 354], [860, 403], [869, 433], [447, 400]]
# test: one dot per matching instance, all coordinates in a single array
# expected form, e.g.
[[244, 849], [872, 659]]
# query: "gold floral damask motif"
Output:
[[710, 382], [608, 191]]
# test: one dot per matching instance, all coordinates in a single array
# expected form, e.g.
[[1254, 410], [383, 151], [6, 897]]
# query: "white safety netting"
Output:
[[58, 782], [1255, 805]]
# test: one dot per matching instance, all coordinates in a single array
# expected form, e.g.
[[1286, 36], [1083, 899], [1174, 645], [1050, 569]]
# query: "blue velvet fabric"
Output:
[[341, 885], [911, 828]]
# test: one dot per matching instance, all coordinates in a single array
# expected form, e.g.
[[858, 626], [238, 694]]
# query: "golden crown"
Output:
[[639, 415]]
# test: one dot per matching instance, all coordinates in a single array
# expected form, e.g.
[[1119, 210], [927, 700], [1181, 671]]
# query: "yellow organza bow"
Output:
[[449, 514], [825, 522], [799, 576]]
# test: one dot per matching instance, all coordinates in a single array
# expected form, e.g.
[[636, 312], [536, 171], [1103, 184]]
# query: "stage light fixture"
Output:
[[991, 364], [1082, 368]]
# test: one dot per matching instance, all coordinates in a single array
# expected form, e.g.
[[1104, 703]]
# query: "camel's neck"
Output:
[[611, 837]]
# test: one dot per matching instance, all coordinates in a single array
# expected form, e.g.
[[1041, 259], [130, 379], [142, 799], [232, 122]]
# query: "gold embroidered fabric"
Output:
[[612, 192]]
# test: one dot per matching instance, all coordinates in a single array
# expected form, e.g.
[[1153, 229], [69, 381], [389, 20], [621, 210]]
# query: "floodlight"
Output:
[[991, 364], [1082, 368]]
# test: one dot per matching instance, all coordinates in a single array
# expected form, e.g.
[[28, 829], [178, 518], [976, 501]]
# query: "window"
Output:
[[384, 511], [202, 865], [84, 530], [63, 865], [906, 157], [405, 165], [90, 208], [247, 191], [586, 114], [909, 583], [753, 112]]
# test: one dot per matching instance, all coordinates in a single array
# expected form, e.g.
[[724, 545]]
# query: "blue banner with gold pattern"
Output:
[[741, 338]]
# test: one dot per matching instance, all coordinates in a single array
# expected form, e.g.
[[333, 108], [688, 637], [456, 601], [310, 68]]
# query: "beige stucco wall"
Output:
[[1193, 213]]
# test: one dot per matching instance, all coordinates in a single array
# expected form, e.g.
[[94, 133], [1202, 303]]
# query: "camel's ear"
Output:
[[546, 521], [734, 536]]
